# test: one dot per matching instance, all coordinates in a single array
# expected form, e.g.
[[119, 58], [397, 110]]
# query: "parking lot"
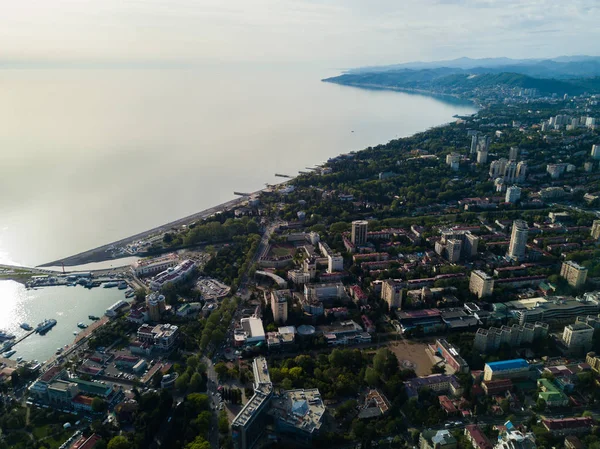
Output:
[[212, 289]]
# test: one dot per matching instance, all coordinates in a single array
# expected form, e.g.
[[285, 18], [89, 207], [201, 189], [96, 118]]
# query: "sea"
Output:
[[67, 305], [90, 155]]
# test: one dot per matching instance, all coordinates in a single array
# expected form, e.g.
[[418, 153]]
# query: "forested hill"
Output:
[[463, 83]]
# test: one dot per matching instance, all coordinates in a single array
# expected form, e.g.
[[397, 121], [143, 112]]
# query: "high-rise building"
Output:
[[513, 153], [156, 305], [574, 273], [359, 232], [391, 293], [578, 337], [518, 240], [596, 229], [481, 284], [513, 194], [453, 160], [454, 248], [335, 262], [482, 157], [279, 305], [595, 152], [521, 171], [474, 142], [497, 168], [510, 172]]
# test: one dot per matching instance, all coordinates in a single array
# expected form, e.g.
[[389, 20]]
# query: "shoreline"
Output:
[[100, 254]]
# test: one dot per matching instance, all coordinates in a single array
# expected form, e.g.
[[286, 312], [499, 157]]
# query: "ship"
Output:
[[9, 353], [6, 336], [110, 284], [122, 285], [45, 325], [59, 351], [26, 326], [93, 317], [81, 325]]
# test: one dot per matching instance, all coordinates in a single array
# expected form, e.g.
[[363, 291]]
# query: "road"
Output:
[[211, 389], [262, 247]]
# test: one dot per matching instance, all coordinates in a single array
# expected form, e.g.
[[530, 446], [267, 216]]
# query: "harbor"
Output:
[[68, 305]]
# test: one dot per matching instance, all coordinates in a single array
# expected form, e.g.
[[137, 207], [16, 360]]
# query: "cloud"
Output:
[[334, 32]]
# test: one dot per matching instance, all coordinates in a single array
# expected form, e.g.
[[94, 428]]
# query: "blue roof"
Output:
[[508, 364]]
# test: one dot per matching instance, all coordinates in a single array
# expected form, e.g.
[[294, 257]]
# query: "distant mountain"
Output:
[[463, 82], [563, 67]]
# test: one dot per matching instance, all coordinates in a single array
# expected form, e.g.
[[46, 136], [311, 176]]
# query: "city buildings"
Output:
[[450, 355], [298, 414], [456, 244], [359, 232], [279, 305], [595, 152], [391, 293], [518, 241], [513, 154], [476, 437], [152, 266], [513, 194], [595, 231], [437, 439], [335, 262], [481, 284], [559, 309], [482, 156], [551, 394], [155, 306], [250, 423], [489, 340], [511, 438], [577, 337], [251, 331], [161, 336], [506, 369], [575, 274], [173, 275], [440, 383], [568, 426]]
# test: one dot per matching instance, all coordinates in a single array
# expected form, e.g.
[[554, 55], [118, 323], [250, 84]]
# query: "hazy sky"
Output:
[[340, 33]]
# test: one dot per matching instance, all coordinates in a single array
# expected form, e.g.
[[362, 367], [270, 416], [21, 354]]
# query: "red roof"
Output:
[[447, 404], [480, 441], [51, 373], [81, 399], [568, 423], [86, 443]]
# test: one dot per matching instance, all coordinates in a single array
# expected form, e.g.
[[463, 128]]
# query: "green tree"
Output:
[[196, 382], [182, 382], [119, 442], [223, 422], [372, 377], [198, 443], [98, 405], [221, 370]]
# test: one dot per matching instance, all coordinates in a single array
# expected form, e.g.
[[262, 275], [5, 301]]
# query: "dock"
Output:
[[242, 194], [21, 338], [282, 175]]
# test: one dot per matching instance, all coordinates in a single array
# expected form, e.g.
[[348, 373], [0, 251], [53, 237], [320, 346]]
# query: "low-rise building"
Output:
[[161, 336], [494, 387], [437, 439], [568, 426], [173, 275], [511, 438], [477, 438], [506, 369], [551, 394], [439, 383], [251, 331], [450, 355], [154, 265]]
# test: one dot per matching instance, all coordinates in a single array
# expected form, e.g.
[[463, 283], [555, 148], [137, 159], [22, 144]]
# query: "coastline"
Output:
[[424, 92], [101, 253]]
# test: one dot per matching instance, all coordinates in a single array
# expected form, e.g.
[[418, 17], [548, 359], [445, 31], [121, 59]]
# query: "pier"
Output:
[[282, 175], [242, 193]]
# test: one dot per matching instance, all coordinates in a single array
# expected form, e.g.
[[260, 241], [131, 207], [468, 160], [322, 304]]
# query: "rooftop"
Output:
[[302, 409], [508, 365]]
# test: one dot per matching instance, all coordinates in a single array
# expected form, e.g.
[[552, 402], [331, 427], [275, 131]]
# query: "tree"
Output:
[[98, 405], [540, 405], [198, 402], [182, 382], [372, 377], [196, 382], [221, 370], [119, 442], [223, 422], [198, 443]]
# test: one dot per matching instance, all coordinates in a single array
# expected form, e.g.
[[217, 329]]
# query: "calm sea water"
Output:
[[91, 156], [67, 305]]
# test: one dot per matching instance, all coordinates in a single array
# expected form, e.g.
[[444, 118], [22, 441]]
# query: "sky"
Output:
[[338, 33]]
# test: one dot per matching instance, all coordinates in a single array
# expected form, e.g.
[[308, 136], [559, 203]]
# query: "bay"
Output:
[[89, 156], [67, 305]]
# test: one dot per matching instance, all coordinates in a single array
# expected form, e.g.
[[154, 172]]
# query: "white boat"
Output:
[[9, 353], [81, 325], [6, 336], [110, 284], [19, 359], [59, 351]]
